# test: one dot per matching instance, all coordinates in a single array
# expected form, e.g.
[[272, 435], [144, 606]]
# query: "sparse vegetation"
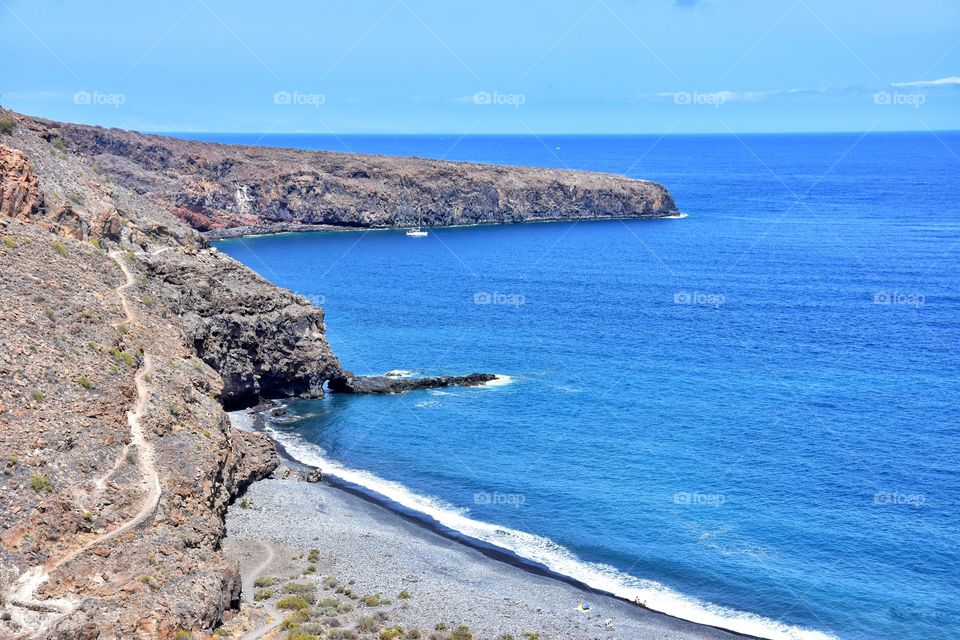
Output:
[[440, 626], [123, 329], [244, 503], [119, 356], [310, 569], [184, 635], [60, 146], [330, 582], [262, 594], [404, 595], [87, 516], [41, 483], [530, 635], [175, 411], [6, 126], [368, 625], [147, 378], [393, 633], [263, 581], [96, 244], [85, 382], [9, 242], [314, 555], [48, 311], [38, 396], [61, 249]]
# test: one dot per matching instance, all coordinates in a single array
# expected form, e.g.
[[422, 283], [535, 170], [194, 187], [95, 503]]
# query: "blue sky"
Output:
[[500, 66]]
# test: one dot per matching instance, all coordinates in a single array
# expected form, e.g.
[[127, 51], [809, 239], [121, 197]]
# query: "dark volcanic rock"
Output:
[[383, 384], [264, 341], [216, 187]]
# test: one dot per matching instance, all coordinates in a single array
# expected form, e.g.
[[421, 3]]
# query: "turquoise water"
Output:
[[747, 416]]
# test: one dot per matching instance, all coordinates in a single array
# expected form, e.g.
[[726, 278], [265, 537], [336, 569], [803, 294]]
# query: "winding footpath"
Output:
[[22, 593], [273, 620]]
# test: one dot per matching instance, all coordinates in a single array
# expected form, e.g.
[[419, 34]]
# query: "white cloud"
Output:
[[939, 82]]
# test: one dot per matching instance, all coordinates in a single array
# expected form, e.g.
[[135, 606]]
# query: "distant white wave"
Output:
[[500, 381], [400, 373], [543, 550]]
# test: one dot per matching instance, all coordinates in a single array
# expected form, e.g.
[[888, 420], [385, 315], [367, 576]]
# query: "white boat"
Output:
[[417, 231]]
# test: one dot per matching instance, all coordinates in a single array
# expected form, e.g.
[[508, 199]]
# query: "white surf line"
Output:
[[22, 593]]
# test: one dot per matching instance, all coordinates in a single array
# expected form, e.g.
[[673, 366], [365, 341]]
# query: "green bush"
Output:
[[330, 582], [306, 590], [404, 595], [393, 633], [263, 581], [61, 146], [461, 633], [8, 242], [41, 483], [85, 382], [61, 249], [372, 601], [37, 395], [262, 594], [292, 603], [6, 126], [530, 635], [314, 555]]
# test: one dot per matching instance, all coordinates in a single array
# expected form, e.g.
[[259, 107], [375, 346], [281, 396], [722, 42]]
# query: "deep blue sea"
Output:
[[748, 416]]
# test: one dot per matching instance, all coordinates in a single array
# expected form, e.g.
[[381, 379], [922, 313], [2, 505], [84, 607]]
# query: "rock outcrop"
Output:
[[20, 195], [228, 189], [265, 342], [348, 383]]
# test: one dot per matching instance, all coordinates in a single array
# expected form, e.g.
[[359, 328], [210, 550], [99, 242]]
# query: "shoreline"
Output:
[[490, 552], [234, 233]]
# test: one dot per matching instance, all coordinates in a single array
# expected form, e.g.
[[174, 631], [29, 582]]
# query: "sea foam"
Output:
[[542, 550]]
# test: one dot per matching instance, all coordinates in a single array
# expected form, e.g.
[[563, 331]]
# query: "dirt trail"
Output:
[[273, 620], [37, 615]]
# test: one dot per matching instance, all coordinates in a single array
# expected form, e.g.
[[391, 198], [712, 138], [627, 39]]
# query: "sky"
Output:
[[499, 66]]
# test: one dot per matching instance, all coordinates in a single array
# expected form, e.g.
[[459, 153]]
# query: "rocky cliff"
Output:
[[125, 336], [228, 189]]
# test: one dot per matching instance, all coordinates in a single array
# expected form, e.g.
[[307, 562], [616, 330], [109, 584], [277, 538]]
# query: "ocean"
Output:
[[747, 417]]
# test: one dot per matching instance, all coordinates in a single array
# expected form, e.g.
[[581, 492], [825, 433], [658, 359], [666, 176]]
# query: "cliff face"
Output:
[[223, 187], [269, 345], [125, 336]]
